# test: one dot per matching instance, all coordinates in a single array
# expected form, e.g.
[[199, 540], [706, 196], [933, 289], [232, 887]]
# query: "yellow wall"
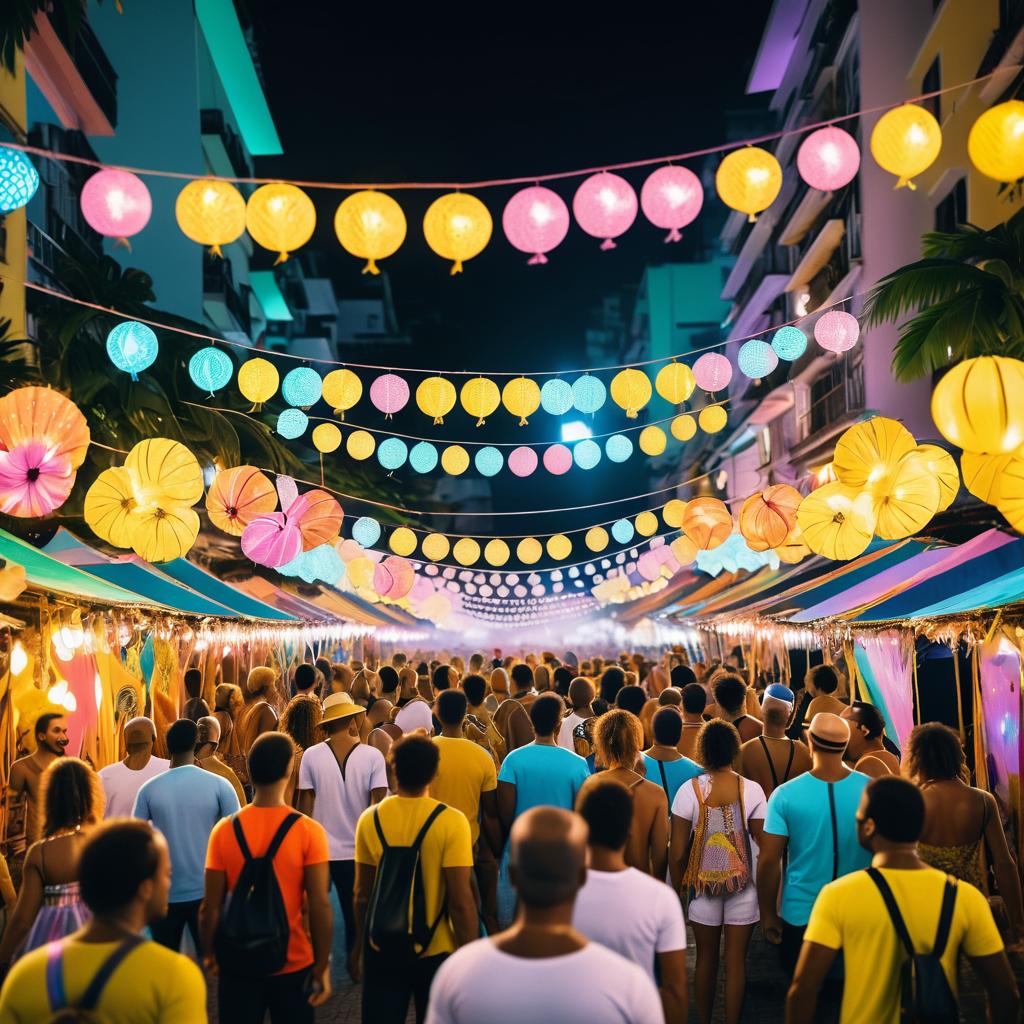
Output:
[[12, 298]]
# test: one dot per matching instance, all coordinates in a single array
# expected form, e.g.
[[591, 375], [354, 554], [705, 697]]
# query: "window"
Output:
[[764, 446], [952, 211], [932, 81]]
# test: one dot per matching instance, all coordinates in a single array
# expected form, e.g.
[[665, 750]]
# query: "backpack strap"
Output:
[[894, 911], [55, 977], [282, 831], [664, 782], [835, 831], [380, 832], [55, 991], [771, 763], [240, 836], [434, 815], [945, 917]]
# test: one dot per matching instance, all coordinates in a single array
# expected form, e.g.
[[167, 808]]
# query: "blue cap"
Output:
[[778, 692]]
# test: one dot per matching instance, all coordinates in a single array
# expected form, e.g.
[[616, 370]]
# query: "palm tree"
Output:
[[966, 296]]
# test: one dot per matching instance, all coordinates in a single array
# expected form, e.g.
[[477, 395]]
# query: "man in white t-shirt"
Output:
[[123, 779], [581, 694], [338, 780], [623, 908], [542, 968]]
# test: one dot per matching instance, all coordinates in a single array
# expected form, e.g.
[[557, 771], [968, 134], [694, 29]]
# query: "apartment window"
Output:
[[932, 81], [764, 446], [952, 211]]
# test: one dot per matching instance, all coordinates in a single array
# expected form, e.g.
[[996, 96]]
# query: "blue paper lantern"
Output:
[[789, 343], [622, 531], [210, 369], [757, 359], [556, 396], [18, 179], [618, 447], [588, 393], [423, 457], [321, 564], [366, 531], [292, 423], [132, 347], [302, 387], [392, 453], [586, 453], [488, 461]]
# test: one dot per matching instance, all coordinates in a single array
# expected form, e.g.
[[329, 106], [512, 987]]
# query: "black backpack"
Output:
[[253, 932], [925, 993], [392, 928], [83, 1011]]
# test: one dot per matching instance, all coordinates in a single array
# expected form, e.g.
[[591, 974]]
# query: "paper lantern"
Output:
[[605, 206], [588, 393], [110, 501], [646, 524], [162, 534], [867, 454], [618, 448], [649, 566], [836, 521], [435, 397], [423, 457], [622, 531], [271, 540], [393, 578], [586, 453], [402, 541], [488, 461], [943, 467], [132, 347], [683, 550], [435, 546], [349, 549], [559, 547], [757, 359], [631, 390], [707, 522], [360, 445], [675, 382], [210, 212], [455, 460], [793, 549], [165, 471], [789, 343], [237, 496], [521, 396], [318, 517], [457, 227], [673, 513], [496, 553], [18, 180], [281, 218], [210, 369], [116, 204], [557, 459], [466, 551], [828, 159], [292, 423], [34, 480], [767, 518], [1011, 492], [258, 381], [712, 418], [905, 142], [996, 142], [748, 180], [671, 198], [652, 440], [302, 387], [522, 461], [371, 226], [908, 500], [342, 389], [596, 538], [389, 394], [392, 453], [684, 428], [480, 397], [837, 331], [556, 396], [712, 372], [360, 573], [979, 405], [536, 220], [529, 551], [983, 474], [326, 438], [38, 414], [366, 531]]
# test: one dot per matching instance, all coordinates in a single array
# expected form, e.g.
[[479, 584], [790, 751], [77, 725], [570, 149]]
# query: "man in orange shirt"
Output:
[[301, 868]]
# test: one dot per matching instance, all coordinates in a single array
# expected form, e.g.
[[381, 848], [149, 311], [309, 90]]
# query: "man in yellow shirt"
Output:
[[850, 914], [125, 876]]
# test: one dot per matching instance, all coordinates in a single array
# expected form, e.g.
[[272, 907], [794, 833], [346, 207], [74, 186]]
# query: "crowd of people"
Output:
[[507, 837]]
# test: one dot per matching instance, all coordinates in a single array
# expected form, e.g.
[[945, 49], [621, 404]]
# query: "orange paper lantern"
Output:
[[707, 522]]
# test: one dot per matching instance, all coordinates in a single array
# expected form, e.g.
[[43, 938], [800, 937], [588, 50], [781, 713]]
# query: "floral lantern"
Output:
[[210, 212], [768, 517], [116, 203], [942, 466], [828, 159], [671, 198], [281, 218], [371, 226], [837, 521], [707, 522], [536, 220], [907, 500], [605, 207], [237, 496]]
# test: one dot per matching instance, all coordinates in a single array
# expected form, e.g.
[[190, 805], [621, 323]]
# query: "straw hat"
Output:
[[339, 706]]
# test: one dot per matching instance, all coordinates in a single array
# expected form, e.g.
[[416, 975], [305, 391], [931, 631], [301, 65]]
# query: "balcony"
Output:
[[836, 399], [220, 292], [213, 125]]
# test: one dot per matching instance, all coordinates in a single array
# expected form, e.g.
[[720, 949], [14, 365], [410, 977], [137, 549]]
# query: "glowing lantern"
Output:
[[596, 538], [789, 343], [116, 204], [673, 513], [605, 206], [631, 390], [793, 549], [488, 461], [389, 394], [423, 457], [237, 496], [522, 461], [457, 227], [258, 381], [392, 453], [455, 460], [342, 389], [132, 347], [586, 453], [828, 159], [435, 397], [837, 331], [529, 551], [480, 397], [748, 180], [556, 396], [622, 531], [652, 440], [908, 499], [559, 547], [557, 459], [435, 546], [684, 428], [18, 180], [983, 474], [34, 480], [1011, 493], [109, 502], [588, 393], [671, 198], [366, 531], [707, 522], [521, 396], [370, 225], [712, 418], [757, 359], [210, 369], [360, 573], [393, 578], [646, 524], [37, 414], [402, 541], [675, 383], [165, 470], [996, 142], [536, 220], [271, 540], [943, 467], [905, 142], [466, 551], [868, 453], [360, 445], [292, 423], [618, 448], [496, 553], [768, 517], [210, 212], [979, 405], [318, 517], [302, 387], [326, 438], [836, 521], [712, 372], [162, 534], [281, 218], [683, 550]]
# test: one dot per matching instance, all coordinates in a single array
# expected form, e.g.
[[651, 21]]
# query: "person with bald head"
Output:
[[813, 820], [542, 968], [123, 779], [581, 694], [207, 744]]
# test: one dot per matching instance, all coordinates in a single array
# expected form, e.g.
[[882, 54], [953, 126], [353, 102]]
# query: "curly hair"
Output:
[[618, 739], [935, 752], [71, 794], [300, 720], [718, 744]]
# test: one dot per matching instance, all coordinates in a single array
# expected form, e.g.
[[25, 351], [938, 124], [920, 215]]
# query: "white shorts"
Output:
[[736, 908]]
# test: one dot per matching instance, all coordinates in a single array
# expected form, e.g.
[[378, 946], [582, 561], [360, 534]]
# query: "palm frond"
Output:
[[920, 285]]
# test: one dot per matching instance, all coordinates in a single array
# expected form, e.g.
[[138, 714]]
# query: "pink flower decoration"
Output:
[[34, 480], [536, 220], [672, 198], [272, 540]]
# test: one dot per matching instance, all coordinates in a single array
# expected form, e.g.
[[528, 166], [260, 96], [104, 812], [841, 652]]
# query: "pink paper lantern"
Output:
[[837, 331], [557, 459], [649, 566], [671, 198], [828, 159], [605, 206], [393, 578], [35, 479], [389, 393], [522, 461], [422, 588], [116, 204], [712, 371], [271, 540], [536, 220]]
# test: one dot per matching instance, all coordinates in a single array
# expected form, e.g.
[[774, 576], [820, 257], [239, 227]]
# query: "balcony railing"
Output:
[[218, 280], [835, 394], [43, 251], [212, 122], [90, 61]]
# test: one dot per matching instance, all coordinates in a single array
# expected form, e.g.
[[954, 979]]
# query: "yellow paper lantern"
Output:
[[164, 471], [684, 427], [596, 538], [326, 438], [794, 549], [210, 212], [342, 390], [497, 553], [631, 390], [979, 405], [360, 445], [712, 418], [455, 460], [675, 383], [521, 396], [767, 518], [707, 522], [360, 572], [559, 547], [436, 546], [943, 467], [673, 513], [457, 227], [684, 549], [748, 180], [869, 453], [466, 551], [108, 504], [402, 541], [908, 501], [983, 474], [836, 521], [162, 533], [996, 142], [281, 218], [370, 225], [258, 380], [1011, 493], [646, 524], [435, 397], [480, 397], [652, 440], [905, 142], [529, 550]]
